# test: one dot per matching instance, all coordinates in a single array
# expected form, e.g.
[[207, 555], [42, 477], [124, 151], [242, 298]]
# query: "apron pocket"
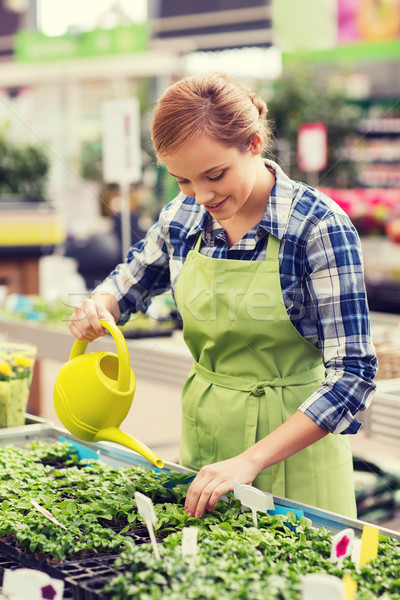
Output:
[[190, 447]]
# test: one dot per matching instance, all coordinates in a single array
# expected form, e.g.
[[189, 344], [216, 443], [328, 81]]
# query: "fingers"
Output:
[[215, 480], [85, 320], [205, 491]]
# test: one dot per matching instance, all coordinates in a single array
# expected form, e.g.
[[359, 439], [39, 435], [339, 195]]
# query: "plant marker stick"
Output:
[[369, 544], [48, 515], [146, 510], [254, 499], [189, 541], [350, 587], [318, 585], [342, 544]]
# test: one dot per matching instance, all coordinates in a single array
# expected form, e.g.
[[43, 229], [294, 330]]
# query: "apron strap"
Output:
[[273, 247], [198, 243]]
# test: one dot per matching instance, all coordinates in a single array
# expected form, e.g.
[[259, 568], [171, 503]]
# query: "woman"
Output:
[[267, 275]]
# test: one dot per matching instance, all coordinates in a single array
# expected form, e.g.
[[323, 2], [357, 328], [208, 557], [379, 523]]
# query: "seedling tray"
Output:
[[118, 456], [85, 578]]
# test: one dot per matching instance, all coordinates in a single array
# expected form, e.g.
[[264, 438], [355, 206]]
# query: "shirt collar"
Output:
[[200, 222], [275, 216]]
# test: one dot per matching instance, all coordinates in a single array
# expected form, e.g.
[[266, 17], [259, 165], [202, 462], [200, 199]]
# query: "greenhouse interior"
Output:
[[177, 178]]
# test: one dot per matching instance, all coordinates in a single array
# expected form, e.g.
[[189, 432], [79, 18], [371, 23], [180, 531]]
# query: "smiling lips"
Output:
[[216, 207]]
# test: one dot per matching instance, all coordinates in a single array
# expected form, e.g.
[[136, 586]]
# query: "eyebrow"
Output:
[[204, 173]]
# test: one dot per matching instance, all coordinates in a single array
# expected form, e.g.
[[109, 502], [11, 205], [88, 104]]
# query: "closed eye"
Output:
[[216, 178], [219, 176]]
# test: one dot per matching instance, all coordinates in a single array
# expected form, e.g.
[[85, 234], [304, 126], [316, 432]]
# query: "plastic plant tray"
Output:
[[85, 578], [118, 456]]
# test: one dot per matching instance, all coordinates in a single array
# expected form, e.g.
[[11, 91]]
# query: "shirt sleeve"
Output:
[[144, 274], [337, 302]]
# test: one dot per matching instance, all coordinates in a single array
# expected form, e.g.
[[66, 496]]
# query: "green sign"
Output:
[[351, 53], [34, 46]]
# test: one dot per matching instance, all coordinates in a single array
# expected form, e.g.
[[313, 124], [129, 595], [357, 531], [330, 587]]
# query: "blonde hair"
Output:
[[212, 104]]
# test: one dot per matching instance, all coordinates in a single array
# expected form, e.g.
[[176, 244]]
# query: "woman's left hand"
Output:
[[215, 480]]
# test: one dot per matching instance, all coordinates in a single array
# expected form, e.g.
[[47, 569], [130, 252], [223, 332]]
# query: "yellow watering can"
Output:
[[93, 394]]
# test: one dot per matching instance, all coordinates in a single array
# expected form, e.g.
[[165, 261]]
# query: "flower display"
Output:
[[16, 370], [17, 366]]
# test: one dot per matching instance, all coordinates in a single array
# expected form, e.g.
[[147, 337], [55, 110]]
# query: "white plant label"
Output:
[[21, 584], [189, 541], [356, 552], [145, 507], [316, 586], [146, 510], [342, 545], [254, 499]]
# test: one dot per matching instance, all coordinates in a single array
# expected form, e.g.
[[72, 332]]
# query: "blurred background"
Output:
[[79, 182], [328, 69]]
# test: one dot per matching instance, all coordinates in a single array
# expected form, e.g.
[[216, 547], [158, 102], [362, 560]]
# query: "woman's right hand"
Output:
[[85, 320]]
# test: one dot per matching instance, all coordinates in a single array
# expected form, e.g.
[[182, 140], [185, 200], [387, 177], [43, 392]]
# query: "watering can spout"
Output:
[[113, 434]]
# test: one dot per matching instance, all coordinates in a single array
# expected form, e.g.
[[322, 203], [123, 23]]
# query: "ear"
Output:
[[256, 145]]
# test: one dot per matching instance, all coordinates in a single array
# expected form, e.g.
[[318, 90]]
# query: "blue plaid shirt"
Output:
[[321, 275]]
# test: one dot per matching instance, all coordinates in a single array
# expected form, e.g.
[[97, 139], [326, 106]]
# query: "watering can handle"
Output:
[[124, 369]]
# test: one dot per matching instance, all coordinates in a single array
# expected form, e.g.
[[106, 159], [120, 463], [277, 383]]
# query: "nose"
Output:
[[203, 194]]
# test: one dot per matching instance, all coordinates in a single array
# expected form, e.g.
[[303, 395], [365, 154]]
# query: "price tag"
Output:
[[369, 544], [146, 510], [48, 515], [254, 499], [21, 584], [342, 545], [318, 585], [189, 541]]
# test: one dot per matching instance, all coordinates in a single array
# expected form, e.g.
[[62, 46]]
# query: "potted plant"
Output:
[[23, 170]]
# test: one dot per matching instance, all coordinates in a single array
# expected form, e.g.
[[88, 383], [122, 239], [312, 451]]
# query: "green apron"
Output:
[[252, 370]]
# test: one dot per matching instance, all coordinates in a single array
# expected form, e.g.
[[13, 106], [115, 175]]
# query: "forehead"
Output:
[[199, 156]]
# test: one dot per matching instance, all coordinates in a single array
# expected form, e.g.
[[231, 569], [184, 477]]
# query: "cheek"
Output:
[[234, 186], [187, 190], [248, 180], [243, 187]]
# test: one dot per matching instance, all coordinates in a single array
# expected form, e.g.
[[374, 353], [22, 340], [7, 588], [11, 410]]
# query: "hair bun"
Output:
[[259, 104]]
